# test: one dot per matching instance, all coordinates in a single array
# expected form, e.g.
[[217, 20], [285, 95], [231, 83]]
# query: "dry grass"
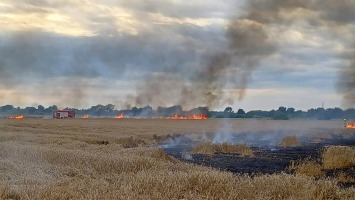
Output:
[[335, 157], [66, 159], [210, 148], [289, 141], [308, 167], [345, 178]]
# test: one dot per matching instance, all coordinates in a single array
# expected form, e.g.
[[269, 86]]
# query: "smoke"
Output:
[[162, 48], [249, 40], [336, 18], [346, 84], [248, 43], [225, 134]]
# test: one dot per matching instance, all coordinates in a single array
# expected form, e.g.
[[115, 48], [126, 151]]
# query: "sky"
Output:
[[249, 54]]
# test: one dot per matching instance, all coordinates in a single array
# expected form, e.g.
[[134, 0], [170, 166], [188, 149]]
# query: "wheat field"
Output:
[[121, 159]]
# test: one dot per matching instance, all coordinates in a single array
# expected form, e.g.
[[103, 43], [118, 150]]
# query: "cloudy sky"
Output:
[[255, 54]]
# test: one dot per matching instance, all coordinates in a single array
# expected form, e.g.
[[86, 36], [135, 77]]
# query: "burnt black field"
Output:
[[268, 158]]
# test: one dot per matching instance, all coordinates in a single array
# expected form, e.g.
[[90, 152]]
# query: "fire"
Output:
[[350, 125], [194, 117], [17, 117], [121, 116], [85, 117]]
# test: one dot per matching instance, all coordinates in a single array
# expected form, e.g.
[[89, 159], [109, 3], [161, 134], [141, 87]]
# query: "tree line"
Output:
[[282, 113]]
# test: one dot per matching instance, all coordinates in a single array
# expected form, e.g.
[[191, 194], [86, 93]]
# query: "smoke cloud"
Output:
[[247, 45], [249, 42], [171, 52]]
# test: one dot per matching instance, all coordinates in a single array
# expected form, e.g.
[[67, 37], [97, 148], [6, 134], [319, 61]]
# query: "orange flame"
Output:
[[194, 117], [350, 125], [17, 117], [121, 116], [85, 117]]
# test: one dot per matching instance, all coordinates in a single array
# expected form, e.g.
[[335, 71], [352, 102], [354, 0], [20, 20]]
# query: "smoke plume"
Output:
[[250, 39], [346, 84], [162, 49], [248, 43]]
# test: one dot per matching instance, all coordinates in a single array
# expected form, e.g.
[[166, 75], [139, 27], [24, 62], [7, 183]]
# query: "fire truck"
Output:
[[61, 114]]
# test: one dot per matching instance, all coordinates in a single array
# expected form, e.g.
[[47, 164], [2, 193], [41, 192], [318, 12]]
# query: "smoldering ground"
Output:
[[259, 133], [274, 145]]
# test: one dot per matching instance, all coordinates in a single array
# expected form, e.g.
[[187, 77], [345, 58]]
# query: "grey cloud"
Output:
[[175, 9], [179, 63], [323, 14]]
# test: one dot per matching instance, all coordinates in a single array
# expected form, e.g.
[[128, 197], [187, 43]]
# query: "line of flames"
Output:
[[17, 117], [175, 117], [196, 117]]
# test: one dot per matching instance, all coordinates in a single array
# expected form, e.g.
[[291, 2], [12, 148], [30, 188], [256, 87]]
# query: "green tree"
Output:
[[228, 109], [7, 108], [241, 112], [40, 109], [282, 109]]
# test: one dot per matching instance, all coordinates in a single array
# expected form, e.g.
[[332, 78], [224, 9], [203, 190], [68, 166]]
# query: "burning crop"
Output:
[[195, 117], [85, 117], [350, 125], [17, 117], [121, 116]]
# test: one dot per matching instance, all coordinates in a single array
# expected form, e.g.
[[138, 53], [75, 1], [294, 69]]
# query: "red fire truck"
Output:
[[60, 114]]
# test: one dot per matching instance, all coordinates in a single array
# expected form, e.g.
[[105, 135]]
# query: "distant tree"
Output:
[[97, 110], [337, 113], [299, 114], [290, 111], [109, 108], [174, 110], [278, 115], [241, 112], [51, 109], [30, 110], [6, 108], [282, 109], [160, 110], [258, 114], [271, 113], [135, 111], [146, 111], [40, 109], [228, 109], [203, 110]]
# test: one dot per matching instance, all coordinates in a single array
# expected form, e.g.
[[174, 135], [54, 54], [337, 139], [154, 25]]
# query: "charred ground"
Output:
[[269, 157]]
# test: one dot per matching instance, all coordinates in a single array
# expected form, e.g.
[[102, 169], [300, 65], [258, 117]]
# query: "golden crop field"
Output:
[[121, 159]]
